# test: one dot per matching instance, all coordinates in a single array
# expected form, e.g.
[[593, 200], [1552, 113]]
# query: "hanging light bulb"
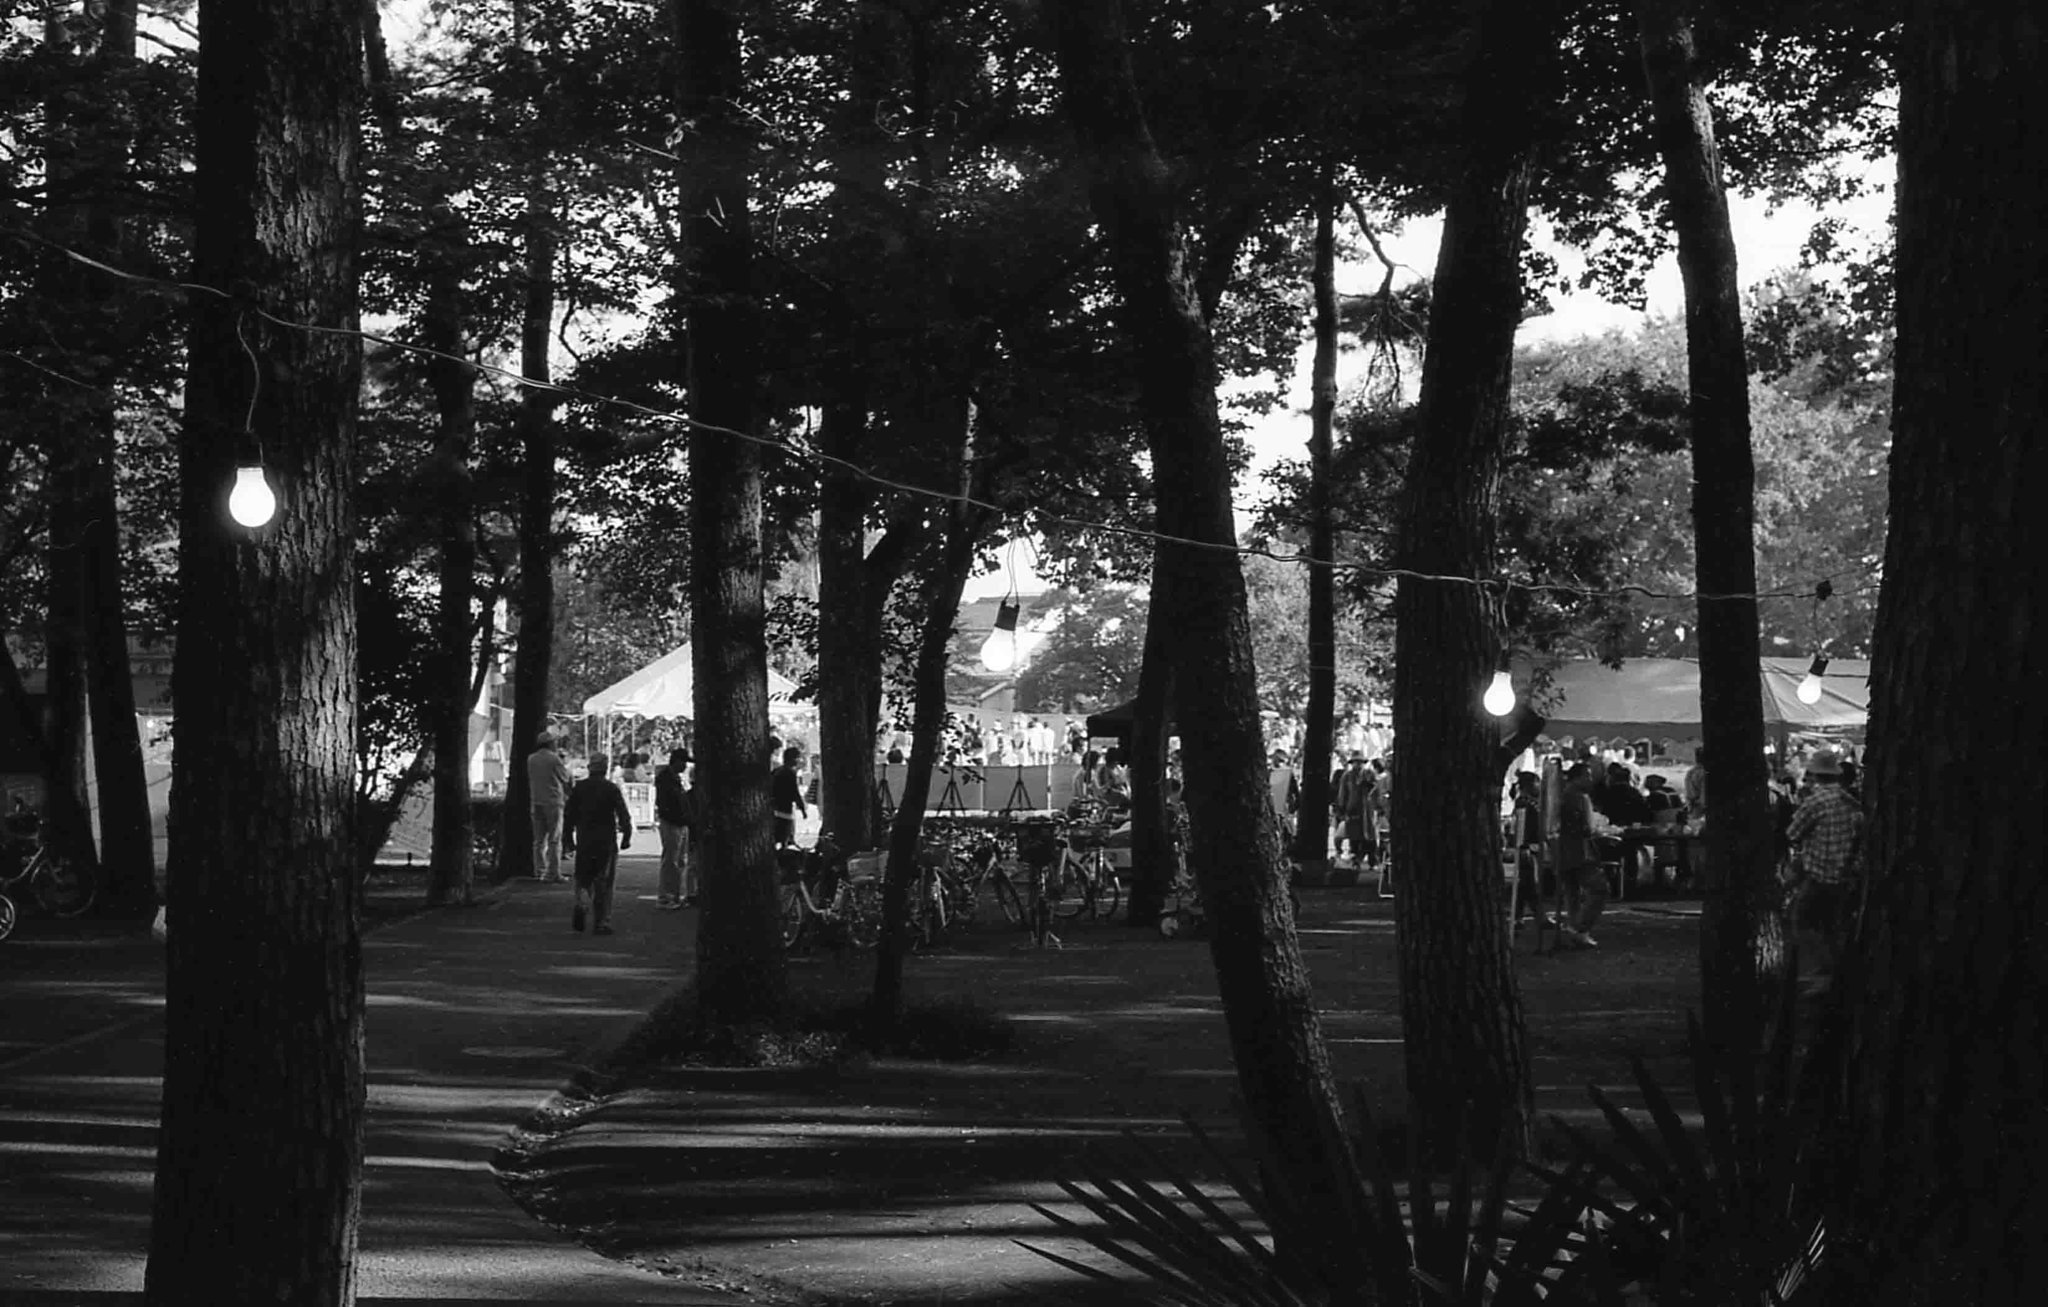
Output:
[[251, 502], [1809, 689], [999, 651], [1500, 696]]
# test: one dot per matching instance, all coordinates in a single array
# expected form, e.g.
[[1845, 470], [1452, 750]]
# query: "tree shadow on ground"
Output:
[[910, 1181]]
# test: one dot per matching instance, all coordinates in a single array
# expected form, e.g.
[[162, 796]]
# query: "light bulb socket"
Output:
[[1006, 615], [1819, 667]]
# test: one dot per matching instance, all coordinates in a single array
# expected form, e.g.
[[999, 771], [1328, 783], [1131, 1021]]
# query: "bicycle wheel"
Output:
[[1007, 897], [794, 915], [6, 916], [961, 899], [862, 905], [1108, 893], [1070, 888], [64, 888]]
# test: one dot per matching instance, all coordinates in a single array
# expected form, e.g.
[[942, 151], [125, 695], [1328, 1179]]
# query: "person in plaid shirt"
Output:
[[1824, 835]]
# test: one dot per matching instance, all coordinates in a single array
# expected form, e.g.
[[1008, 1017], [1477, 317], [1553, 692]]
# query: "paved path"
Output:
[[476, 1017]]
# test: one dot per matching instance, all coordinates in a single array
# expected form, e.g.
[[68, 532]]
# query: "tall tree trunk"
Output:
[[534, 649], [1948, 1067], [849, 636], [1152, 861], [127, 850], [928, 716], [453, 380], [741, 972], [1276, 1039], [1465, 1050], [1742, 935], [1312, 815], [70, 420], [260, 1147]]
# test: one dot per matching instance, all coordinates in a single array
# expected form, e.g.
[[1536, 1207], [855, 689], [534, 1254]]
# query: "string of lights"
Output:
[[1496, 585]]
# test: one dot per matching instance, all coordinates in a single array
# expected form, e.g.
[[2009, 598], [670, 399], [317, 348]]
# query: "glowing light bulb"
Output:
[[1500, 696], [251, 502], [1809, 689], [999, 651]]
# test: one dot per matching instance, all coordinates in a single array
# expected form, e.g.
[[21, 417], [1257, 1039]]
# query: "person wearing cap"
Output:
[[673, 816], [1825, 834], [547, 786]]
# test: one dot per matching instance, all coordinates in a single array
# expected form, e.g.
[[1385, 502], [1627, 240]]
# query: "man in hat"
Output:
[[672, 813], [1825, 835], [547, 785]]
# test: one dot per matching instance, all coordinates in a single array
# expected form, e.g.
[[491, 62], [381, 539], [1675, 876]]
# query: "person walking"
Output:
[[674, 819], [1582, 882], [596, 808], [786, 796], [1825, 834], [1352, 789], [547, 787]]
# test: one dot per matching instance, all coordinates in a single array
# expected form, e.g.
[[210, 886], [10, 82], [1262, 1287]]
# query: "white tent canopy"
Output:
[[1661, 697], [664, 688]]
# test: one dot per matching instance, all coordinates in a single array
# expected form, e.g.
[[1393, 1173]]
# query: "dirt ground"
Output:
[[894, 1180]]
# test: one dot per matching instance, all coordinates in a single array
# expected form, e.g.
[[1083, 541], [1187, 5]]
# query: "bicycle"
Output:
[[977, 863], [823, 897], [61, 887], [1085, 878]]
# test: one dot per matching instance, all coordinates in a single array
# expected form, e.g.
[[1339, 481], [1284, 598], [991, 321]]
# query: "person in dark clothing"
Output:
[[672, 814], [786, 797], [1619, 800], [596, 808]]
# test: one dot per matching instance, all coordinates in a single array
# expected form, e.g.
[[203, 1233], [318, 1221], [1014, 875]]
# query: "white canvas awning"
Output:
[[1661, 697], [664, 688]]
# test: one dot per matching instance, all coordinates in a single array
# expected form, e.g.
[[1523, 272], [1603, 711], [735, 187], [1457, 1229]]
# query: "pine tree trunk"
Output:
[[453, 381], [260, 1147], [1312, 816], [1152, 860], [1276, 1039], [127, 849], [1948, 1070], [534, 648], [1465, 1049], [1742, 935], [928, 716], [741, 973], [849, 637], [70, 418]]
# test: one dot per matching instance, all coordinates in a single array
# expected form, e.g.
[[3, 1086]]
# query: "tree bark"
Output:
[[260, 1147], [928, 717], [854, 583], [1947, 1069], [1742, 936], [1276, 1039], [534, 650], [1464, 1046], [741, 972], [1312, 814], [453, 381], [127, 849], [1152, 862], [71, 421]]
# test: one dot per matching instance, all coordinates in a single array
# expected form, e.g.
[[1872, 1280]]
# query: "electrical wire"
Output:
[[956, 498]]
